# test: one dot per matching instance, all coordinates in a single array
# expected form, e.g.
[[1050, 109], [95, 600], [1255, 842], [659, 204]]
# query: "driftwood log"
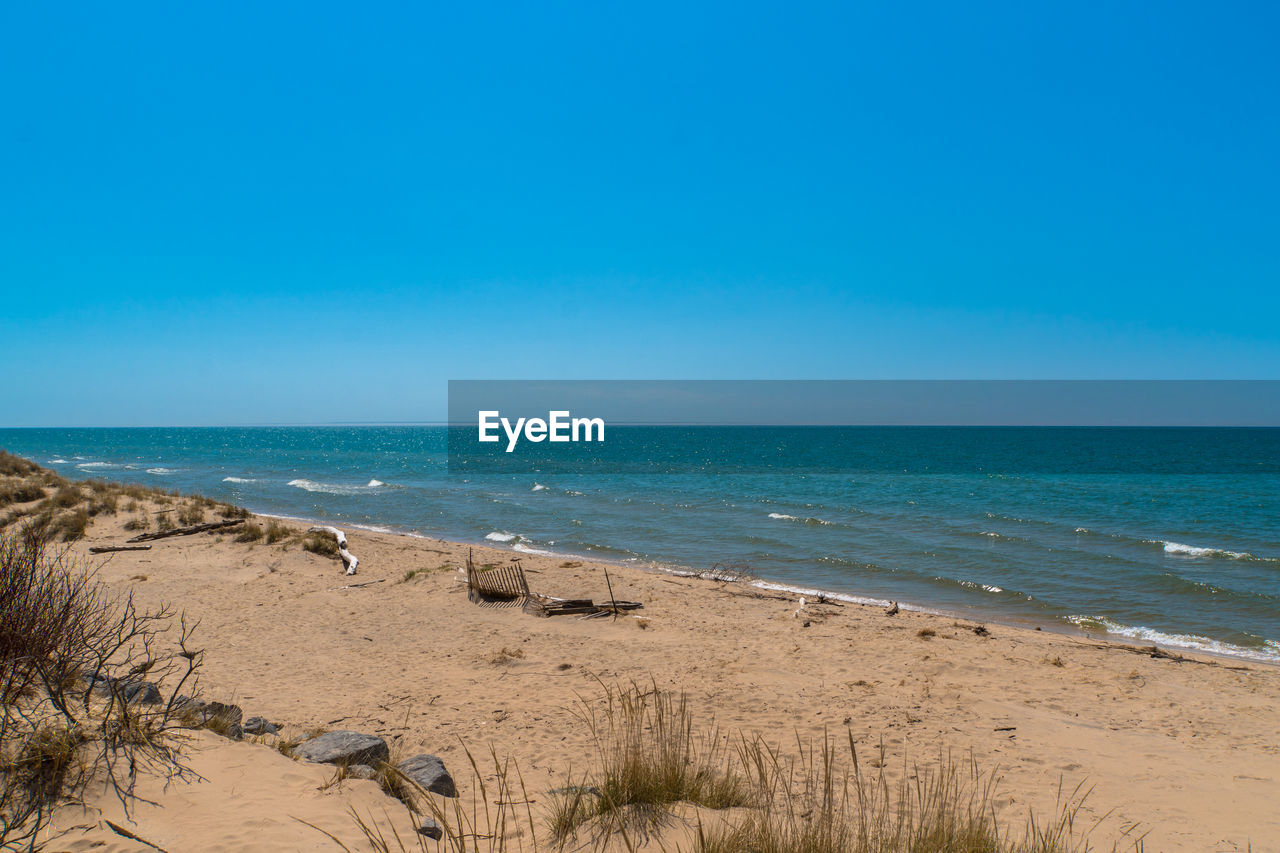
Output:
[[187, 531], [349, 560], [107, 549]]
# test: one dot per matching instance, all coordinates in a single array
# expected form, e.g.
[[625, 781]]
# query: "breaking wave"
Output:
[[815, 522], [238, 480], [1270, 650], [525, 549], [502, 536], [335, 488], [1180, 550]]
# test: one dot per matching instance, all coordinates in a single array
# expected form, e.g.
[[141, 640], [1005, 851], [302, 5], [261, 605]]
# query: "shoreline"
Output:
[[1005, 586], [1048, 626]]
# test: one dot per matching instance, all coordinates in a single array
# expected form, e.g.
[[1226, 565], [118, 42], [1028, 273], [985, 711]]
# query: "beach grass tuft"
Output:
[[250, 531], [323, 544], [191, 514], [276, 532], [649, 758]]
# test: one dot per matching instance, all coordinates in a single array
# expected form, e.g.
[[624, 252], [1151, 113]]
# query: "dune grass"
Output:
[[323, 544], [276, 532], [648, 757], [651, 766], [250, 531]]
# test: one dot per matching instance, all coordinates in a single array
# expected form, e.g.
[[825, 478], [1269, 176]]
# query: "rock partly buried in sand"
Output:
[[361, 771], [343, 747], [428, 771], [431, 829], [259, 726], [134, 692], [139, 692]]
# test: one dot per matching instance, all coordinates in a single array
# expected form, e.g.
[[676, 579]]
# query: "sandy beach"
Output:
[[1187, 750]]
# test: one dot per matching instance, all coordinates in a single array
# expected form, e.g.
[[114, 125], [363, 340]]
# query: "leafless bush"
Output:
[[80, 676]]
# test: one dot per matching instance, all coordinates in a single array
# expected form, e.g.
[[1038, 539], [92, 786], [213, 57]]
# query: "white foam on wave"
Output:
[[334, 488], [819, 593], [1082, 530], [238, 480], [502, 536], [999, 537], [810, 520], [992, 588], [538, 487], [1178, 549], [58, 461], [1191, 642], [525, 549], [95, 464], [373, 528], [160, 471]]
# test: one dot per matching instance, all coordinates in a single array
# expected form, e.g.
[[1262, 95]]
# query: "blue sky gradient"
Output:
[[226, 214]]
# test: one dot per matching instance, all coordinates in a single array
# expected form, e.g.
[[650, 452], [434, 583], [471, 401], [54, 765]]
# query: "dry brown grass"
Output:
[[276, 532], [323, 544], [506, 655], [648, 758], [190, 514]]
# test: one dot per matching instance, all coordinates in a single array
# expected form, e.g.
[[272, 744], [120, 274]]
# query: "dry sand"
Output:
[[1188, 750]]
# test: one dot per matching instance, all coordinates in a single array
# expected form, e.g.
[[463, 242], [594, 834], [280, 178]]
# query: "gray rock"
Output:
[[135, 692], [259, 726], [142, 692], [431, 829], [343, 747], [428, 771], [361, 771]]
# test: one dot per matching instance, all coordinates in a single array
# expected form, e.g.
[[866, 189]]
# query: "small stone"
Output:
[[361, 771], [429, 772], [431, 829], [343, 747]]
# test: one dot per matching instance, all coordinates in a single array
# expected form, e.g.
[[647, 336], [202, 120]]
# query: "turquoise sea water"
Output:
[[1158, 535]]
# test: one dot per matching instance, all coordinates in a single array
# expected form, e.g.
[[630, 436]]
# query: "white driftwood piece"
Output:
[[348, 559]]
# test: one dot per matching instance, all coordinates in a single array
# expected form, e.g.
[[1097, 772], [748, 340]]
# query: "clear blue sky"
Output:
[[226, 213]]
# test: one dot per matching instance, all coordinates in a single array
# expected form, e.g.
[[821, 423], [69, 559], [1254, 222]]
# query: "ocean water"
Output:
[[1168, 536]]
